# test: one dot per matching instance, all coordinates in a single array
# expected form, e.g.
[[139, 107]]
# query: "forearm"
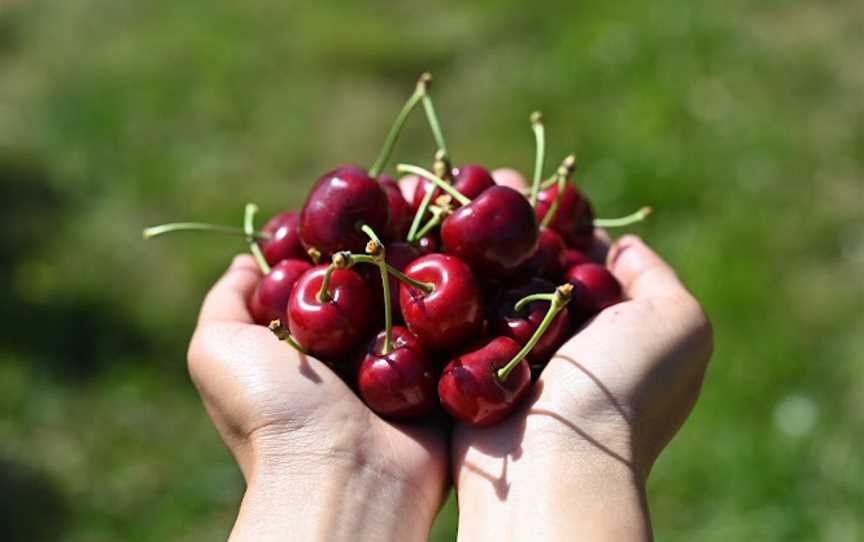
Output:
[[339, 504], [591, 496]]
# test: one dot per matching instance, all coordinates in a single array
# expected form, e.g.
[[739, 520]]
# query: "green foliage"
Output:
[[740, 122]]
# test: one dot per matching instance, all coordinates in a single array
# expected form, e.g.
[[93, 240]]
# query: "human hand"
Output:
[[579, 449], [319, 465]]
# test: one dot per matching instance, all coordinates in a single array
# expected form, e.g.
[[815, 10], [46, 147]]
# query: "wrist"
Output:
[[338, 497]]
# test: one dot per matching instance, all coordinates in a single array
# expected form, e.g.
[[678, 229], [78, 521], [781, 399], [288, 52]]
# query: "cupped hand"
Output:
[[303, 440], [583, 442]]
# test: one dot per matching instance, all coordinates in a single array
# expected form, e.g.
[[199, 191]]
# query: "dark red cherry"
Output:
[[398, 255], [339, 203], [471, 180], [548, 260], [400, 211], [329, 329], [573, 257], [594, 287], [495, 234], [285, 242], [429, 243], [574, 219], [451, 314], [399, 385], [520, 326], [469, 389], [270, 297]]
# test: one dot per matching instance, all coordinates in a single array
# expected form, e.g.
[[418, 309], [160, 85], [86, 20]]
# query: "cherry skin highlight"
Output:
[[520, 326], [574, 219], [452, 313], [400, 212], [338, 204], [329, 329], [270, 297], [594, 287], [469, 389], [470, 180], [429, 243], [399, 385], [495, 234], [285, 242]]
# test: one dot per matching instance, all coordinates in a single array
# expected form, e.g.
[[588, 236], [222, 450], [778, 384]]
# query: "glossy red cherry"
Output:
[[594, 287], [339, 203], [573, 257], [401, 384], [469, 388], [520, 326], [471, 180], [451, 314], [270, 297], [398, 255], [329, 328], [495, 234], [548, 260], [429, 243], [400, 211], [574, 219], [285, 241]]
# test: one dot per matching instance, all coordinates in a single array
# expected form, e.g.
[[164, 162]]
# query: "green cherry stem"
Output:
[[530, 298], [561, 176], [437, 218], [344, 260], [249, 230], [418, 216], [155, 231], [632, 218], [439, 182], [283, 335], [398, 124], [540, 154], [375, 249], [323, 295], [559, 300], [432, 117]]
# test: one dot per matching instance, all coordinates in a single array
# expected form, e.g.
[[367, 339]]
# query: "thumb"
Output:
[[641, 272], [226, 301]]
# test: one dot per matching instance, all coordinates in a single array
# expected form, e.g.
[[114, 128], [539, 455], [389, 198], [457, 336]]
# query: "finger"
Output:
[[408, 184], [641, 271], [509, 177], [226, 301]]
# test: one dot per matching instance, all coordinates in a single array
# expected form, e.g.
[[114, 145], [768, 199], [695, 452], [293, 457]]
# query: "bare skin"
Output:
[[571, 463]]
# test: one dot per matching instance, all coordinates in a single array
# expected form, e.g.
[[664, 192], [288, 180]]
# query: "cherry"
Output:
[[521, 325], [495, 233], [270, 297], [482, 387], [399, 211], [338, 204], [284, 242], [401, 383], [429, 243], [471, 180], [448, 310], [470, 391], [595, 288], [574, 219], [573, 257], [329, 311], [398, 255], [548, 260]]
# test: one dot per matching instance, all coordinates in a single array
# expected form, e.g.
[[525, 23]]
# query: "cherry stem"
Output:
[[533, 297], [439, 182], [155, 231], [540, 154], [437, 216], [323, 295], [559, 300], [418, 216], [375, 249], [398, 124], [633, 218], [432, 117], [249, 230], [351, 259], [283, 335], [561, 176]]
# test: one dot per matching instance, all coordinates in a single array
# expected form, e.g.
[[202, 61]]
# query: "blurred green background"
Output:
[[741, 122]]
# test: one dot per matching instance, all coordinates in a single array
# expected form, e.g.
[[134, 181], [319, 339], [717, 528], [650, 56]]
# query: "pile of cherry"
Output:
[[454, 298]]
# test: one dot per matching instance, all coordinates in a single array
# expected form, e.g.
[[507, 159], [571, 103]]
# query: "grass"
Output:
[[741, 123]]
